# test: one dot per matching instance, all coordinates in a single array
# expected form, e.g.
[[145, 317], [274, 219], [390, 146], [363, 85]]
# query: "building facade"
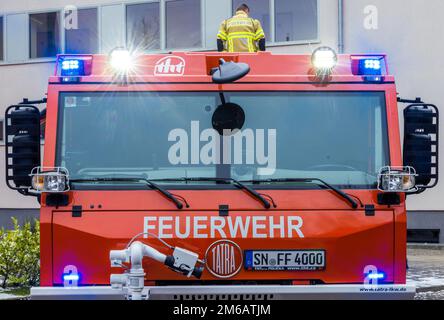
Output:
[[32, 32]]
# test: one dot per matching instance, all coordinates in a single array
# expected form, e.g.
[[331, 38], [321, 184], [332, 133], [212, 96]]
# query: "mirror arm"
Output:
[[419, 191], [28, 102], [222, 97], [221, 93], [402, 100], [27, 193]]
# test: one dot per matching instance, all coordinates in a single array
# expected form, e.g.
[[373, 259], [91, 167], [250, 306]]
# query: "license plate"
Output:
[[281, 260]]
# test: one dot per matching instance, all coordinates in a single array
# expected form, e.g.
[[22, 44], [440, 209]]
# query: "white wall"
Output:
[[411, 32], [18, 82]]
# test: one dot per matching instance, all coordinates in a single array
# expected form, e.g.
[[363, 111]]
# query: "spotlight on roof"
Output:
[[121, 60], [324, 60]]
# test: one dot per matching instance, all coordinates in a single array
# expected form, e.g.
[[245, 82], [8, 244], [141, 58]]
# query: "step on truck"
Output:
[[222, 175]]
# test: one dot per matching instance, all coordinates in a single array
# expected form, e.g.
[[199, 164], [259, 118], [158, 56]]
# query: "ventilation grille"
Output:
[[423, 235]]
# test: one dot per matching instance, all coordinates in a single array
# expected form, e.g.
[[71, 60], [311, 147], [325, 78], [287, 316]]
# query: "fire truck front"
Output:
[[212, 175]]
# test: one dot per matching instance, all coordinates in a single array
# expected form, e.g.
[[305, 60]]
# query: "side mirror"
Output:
[[22, 143], [228, 72], [421, 142]]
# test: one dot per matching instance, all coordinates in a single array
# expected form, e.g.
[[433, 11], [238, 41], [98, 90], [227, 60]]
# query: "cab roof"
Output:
[[195, 67]]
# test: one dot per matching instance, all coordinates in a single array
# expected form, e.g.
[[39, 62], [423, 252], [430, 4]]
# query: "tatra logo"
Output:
[[224, 259], [170, 66]]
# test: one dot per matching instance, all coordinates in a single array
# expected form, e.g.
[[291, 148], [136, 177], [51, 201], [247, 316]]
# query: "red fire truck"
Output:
[[222, 175]]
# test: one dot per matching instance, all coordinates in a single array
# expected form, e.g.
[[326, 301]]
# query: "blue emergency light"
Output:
[[376, 276], [74, 66], [71, 277], [371, 66], [70, 65]]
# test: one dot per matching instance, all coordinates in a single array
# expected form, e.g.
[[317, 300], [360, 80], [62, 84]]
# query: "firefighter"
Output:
[[241, 33]]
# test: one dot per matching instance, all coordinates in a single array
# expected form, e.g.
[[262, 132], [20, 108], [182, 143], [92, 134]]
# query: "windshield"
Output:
[[340, 137]]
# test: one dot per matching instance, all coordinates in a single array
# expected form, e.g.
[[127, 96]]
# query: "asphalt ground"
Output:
[[426, 271]]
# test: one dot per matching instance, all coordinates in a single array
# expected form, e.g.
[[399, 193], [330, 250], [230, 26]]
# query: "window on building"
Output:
[[143, 26], [81, 32], [1, 40], [296, 20], [44, 34], [260, 10], [183, 24], [291, 20]]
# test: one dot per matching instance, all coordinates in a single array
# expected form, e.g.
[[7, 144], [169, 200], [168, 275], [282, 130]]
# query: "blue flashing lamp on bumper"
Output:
[[376, 276], [72, 68], [71, 277]]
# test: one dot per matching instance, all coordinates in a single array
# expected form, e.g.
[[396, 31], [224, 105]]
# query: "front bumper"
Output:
[[315, 292]]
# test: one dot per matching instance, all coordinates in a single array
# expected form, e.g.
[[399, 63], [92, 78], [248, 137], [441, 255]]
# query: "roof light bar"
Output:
[[74, 66]]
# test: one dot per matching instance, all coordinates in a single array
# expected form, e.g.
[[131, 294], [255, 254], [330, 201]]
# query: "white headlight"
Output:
[[397, 179], [121, 60], [324, 59], [49, 180]]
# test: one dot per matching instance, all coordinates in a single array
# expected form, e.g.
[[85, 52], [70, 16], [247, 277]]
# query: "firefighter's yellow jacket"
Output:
[[241, 33]]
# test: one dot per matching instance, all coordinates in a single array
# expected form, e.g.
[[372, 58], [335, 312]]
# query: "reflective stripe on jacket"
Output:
[[241, 33]]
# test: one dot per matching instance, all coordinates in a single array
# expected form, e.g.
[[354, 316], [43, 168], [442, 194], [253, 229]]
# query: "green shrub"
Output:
[[20, 254]]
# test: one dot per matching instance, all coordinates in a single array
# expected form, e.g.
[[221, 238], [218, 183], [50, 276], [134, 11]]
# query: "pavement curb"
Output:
[[425, 246], [16, 298], [430, 289]]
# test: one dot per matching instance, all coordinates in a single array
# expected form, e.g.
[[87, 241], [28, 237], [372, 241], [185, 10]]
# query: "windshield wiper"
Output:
[[236, 183], [310, 180], [149, 183]]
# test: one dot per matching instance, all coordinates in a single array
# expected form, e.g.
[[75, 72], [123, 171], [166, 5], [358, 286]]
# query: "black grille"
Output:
[[423, 235]]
